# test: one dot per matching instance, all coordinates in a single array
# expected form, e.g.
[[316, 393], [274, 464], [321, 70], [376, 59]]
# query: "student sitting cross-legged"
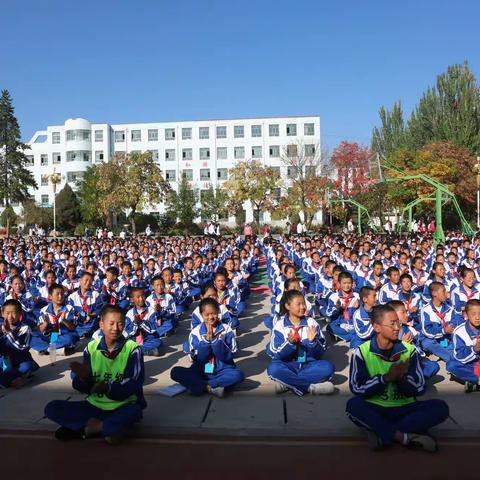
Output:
[[386, 377], [465, 361], [212, 348], [297, 345], [112, 375], [16, 362]]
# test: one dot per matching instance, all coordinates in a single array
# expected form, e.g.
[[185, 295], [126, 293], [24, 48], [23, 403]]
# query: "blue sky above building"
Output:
[[146, 61]]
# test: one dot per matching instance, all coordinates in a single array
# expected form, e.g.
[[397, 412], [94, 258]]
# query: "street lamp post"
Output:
[[55, 179]]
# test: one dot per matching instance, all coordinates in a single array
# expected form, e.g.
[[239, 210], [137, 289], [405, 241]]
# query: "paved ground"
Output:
[[252, 409]]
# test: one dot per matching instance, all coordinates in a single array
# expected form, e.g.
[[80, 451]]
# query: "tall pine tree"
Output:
[[15, 178]]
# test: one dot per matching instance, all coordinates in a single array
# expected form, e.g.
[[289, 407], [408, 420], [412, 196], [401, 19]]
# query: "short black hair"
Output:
[[111, 309], [12, 302], [379, 312]]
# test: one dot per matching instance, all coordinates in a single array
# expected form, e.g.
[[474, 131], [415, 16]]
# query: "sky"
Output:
[[150, 61]]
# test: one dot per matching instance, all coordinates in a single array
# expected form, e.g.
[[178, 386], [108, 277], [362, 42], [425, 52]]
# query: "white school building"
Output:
[[203, 151]]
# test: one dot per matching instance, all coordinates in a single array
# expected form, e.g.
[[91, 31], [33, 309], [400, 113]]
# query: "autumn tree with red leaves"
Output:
[[351, 163]]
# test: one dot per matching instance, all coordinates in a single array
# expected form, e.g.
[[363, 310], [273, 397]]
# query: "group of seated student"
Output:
[[402, 306], [431, 295], [120, 298]]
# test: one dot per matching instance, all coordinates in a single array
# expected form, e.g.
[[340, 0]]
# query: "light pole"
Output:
[[477, 168], [55, 179]]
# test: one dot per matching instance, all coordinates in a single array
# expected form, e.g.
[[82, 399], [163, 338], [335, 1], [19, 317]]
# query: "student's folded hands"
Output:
[[82, 370]]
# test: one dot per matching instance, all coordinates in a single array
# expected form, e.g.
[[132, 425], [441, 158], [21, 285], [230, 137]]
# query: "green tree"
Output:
[[446, 112], [35, 215], [8, 217], [89, 196], [130, 182], [15, 178], [450, 111], [251, 181], [183, 204], [392, 135], [68, 209], [306, 186], [214, 204]]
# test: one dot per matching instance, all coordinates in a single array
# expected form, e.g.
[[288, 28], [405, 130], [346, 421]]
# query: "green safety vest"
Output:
[[376, 365], [109, 369]]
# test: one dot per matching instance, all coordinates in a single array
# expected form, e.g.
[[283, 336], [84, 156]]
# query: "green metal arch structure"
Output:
[[442, 195], [361, 209]]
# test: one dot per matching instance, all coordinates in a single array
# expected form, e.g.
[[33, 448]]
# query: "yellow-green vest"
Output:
[[109, 369], [376, 365]]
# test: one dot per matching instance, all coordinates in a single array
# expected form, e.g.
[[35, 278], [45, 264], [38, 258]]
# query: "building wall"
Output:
[[71, 148]]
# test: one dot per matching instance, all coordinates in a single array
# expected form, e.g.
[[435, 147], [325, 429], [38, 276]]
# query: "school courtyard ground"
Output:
[[250, 431]]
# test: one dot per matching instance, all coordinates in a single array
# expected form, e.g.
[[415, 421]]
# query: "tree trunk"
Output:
[[132, 221], [256, 215], [8, 225]]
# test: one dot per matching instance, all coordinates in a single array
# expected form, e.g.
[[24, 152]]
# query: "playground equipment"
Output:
[[442, 195], [361, 209]]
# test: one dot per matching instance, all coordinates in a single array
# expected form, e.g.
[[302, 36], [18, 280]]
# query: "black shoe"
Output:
[[65, 434]]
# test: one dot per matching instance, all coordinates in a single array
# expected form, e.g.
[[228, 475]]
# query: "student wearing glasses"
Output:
[[386, 377]]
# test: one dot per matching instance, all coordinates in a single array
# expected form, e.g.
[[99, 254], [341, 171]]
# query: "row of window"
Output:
[[170, 154], [203, 133]]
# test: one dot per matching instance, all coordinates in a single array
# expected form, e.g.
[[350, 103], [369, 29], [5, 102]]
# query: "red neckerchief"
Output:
[[469, 295], [296, 334], [346, 302], [84, 299], [408, 302], [441, 316]]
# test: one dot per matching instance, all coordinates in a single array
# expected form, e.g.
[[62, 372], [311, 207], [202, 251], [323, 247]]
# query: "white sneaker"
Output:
[[218, 392], [426, 442], [324, 388], [280, 388]]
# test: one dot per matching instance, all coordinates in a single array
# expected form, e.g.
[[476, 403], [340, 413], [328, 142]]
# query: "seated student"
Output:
[[56, 324], [324, 286], [412, 301], [227, 296], [114, 292], [192, 277], [386, 379], [164, 306], [297, 345], [362, 272], [16, 362], [18, 292], [212, 349], [437, 323], [410, 335], [87, 304], [390, 289], [340, 308], [438, 274], [290, 284], [112, 375], [70, 283], [42, 295], [419, 275], [209, 291], [464, 292], [141, 324], [465, 361], [180, 291], [362, 323], [376, 278]]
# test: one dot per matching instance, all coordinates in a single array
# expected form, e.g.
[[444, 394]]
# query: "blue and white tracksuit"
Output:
[[298, 365], [465, 361], [433, 322], [213, 362], [416, 417], [141, 327], [15, 357]]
